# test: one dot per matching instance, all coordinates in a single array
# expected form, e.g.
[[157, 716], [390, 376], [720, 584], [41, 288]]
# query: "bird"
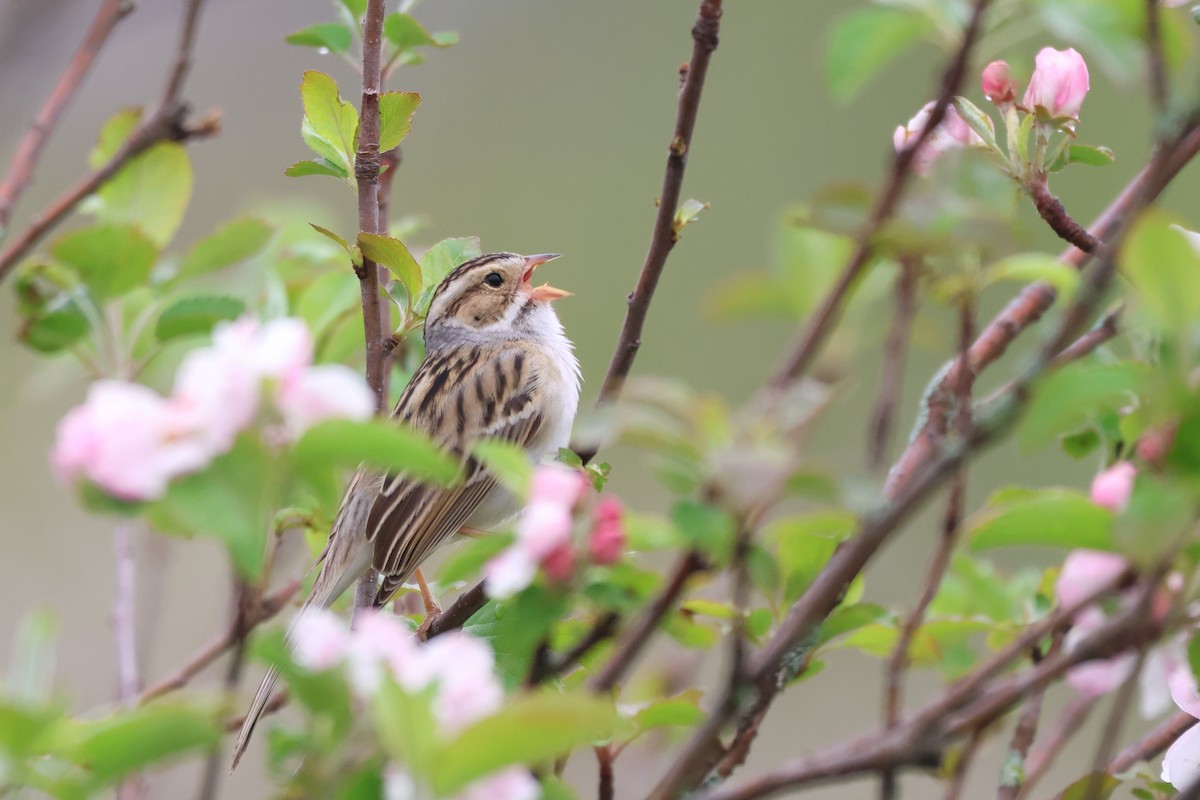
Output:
[[497, 365]]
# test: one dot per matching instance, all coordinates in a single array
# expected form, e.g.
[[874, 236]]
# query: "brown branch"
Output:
[[1042, 757], [895, 353], [1051, 210], [1033, 301], [704, 37], [267, 608], [457, 614], [1153, 743], [544, 670], [1012, 785], [631, 641], [604, 768], [29, 150], [821, 321], [166, 123], [958, 778]]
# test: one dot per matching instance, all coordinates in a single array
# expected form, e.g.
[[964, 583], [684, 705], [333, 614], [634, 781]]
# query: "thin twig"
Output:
[[266, 609], [895, 353], [821, 321], [962, 768], [704, 37], [1153, 743], [243, 612], [1012, 781], [458, 612], [29, 150], [604, 768], [1051, 210], [602, 630], [1042, 757], [124, 617], [631, 641], [166, 123]]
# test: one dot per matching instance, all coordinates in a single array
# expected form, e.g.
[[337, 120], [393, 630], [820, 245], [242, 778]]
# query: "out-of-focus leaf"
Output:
[[193, 315], [150, 192], [1032, 267], [508, 462], [467, 558], [531, 728], [319, 166], [1165, 270], [332, 123], [396, 111], [1080, 445], [707, 529], [355, 7], [1113, 33], [31, 663], [1073, 396], [516, 627], [806, 543], [319, 693], [1043, 517], [978, 121], [405, 722], [391, 448], [404, 32], [1093, 786], [234, 241], [55, 326], [113, 134], [392, 254], [437, 263], [681, 710], [847, 618], [688, 213], [327, 299], [864, 42], [111, 260], [138, 737], [329, 35]]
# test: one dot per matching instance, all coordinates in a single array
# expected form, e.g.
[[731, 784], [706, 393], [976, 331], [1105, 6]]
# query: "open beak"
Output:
[[545, 291]]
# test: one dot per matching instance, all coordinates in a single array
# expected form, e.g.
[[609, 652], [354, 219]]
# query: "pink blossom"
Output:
[[380, 642], [557, 484], [283, 349], [509, 573], [127, 440], [1112, 487], [1181, 764], [1098, 677], [468, 690], [607, 539], [543, 528], [329, 391], [1182, 684], [510, 783], [217, 392], [1085, 572], [997, 84], [1059, 83], [559, 563], [952, 133], [321, 640]]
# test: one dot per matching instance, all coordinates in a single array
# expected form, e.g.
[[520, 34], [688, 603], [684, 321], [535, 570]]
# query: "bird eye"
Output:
[[494, 280]]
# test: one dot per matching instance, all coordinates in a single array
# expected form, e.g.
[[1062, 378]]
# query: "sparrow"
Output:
[[497, 366]]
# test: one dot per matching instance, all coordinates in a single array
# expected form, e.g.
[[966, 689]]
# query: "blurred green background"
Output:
[[545, 129]]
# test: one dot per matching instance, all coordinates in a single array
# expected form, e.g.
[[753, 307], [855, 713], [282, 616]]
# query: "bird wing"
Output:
[[457, 398]]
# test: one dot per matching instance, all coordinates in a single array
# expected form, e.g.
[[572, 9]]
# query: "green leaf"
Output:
[[682, 710], [530, 729], [1031, 267], [847, 618], [1089, 155], [394, 449], [230, 500], [332, 122], [405, 721], [55, 326], [396, 111], [516, 627], [1165, 271], [324, 693], [437, 263], [687, 213], [196, 315], [445, 38], [327, 299], [708, 608], [508, 462], [1075, 395], [138, 737], [355, 7], [331, 236], [392, 254], [707, 529], [1093, 786], [234, 241], [405, 33], [863, 42], [113, 134], [111, 260], [806, 543], [150, 192], [467, 558], [1044, 517], [330, 35], [1080, 445], [978, 121], [319, 166]]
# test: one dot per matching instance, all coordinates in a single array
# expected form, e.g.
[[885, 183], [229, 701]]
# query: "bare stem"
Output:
[[124, 616], [895, 353], [1051, 210]]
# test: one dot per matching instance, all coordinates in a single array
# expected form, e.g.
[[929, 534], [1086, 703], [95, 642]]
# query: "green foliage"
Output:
[[390, 448], [196, 314], [1032, 267], [330, 36], [1113, 33], [393, 255], [468, 557], [1165, 271], [111, 260], [230, 244], [396, 111], [150, 192], [135, 738], [114, 133], [867, 40], [1076, 395], [1042, 517], [437, 263], [330, 127], [516, 627]]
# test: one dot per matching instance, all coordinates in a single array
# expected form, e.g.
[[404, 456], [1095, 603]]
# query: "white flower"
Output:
[[321, 639], [329, 391]]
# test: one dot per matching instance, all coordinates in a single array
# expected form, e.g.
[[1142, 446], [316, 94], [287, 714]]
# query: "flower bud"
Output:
[[952, 133], [997, 84], [607, 539], [1112, 487], [1059, 83]]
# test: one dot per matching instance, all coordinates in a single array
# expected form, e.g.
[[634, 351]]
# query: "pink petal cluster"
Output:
[[131, 442], [543, 533], [952, 133], [1181, 762], [1112, 488], [1083, 573], [606, 542], [460, 667], [1059, 83]]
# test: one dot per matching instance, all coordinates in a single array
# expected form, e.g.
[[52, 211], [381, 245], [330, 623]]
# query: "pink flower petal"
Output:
[[1181, 764], [321, 639], [1113, 487], [1084, 572], [329, 391], [1059, 83]]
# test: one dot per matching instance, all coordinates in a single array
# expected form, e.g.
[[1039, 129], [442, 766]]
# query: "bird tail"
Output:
[[341, 565]]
